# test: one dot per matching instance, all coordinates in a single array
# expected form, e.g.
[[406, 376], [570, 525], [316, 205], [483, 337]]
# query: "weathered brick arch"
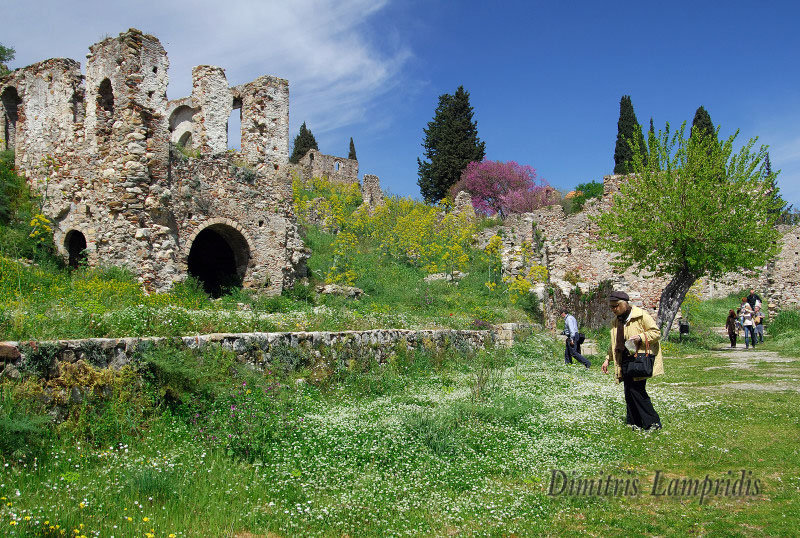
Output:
[[217, 249], [64, 231]]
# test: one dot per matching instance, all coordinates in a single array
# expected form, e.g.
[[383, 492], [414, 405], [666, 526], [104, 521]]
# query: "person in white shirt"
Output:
[[571, 349], [749, 326]]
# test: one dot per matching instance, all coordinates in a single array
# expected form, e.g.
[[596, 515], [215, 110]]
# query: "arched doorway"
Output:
[[11, 102], [75, 243], [218, 258]]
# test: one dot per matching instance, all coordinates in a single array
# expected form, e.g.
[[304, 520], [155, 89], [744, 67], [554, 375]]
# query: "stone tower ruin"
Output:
[[132, 179]]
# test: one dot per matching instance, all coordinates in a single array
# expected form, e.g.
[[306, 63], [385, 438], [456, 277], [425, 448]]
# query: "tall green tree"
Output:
[[6, 55], [676, 219], [629, 132], [651, 134], [451, 143], [303, 142], [702, 124], [352, 154]]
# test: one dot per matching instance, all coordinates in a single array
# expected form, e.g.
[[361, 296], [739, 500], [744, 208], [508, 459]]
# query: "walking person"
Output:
[[753, 299], [633, 324], [758, 321], [749, 326], [730, 325], [571, 347]]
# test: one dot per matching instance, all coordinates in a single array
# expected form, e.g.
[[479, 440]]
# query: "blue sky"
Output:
[[545, 78]]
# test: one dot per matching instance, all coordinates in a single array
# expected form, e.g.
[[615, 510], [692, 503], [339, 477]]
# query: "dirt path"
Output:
[[741, 358]]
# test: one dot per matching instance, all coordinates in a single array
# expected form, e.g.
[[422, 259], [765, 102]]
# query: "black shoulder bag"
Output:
[[642, 363]]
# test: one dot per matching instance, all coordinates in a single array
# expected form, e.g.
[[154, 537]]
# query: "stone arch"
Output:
[[218, 255], [75, 245], [11, 101], [181, 125]]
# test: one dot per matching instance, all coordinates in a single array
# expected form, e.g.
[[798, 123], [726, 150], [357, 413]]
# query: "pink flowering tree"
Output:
[[503, 188]]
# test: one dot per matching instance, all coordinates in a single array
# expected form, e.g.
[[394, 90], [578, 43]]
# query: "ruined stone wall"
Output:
[[568, 252], [251, 210], [336, 169], [98, 149], [322, 349], [265, 121], [371, 192]]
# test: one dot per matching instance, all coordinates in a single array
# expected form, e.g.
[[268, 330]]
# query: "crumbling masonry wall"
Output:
[[336, 169], [98, 150], [563, 245]]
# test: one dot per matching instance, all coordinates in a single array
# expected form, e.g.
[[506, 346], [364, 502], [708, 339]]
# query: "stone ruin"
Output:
[[336, 169], [562, 244], [132, 179]]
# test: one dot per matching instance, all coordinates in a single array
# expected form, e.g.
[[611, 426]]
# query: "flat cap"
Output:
[[618, 296]]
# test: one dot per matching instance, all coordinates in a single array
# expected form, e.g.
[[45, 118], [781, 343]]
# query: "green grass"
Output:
[[413, 447]]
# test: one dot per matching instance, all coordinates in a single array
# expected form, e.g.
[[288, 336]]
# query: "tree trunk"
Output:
[[671, 299]]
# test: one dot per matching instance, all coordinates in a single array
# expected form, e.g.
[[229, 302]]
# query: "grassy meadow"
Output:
[[192, 443]]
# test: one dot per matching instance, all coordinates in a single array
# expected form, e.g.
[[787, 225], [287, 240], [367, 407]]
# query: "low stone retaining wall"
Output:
[[255, 348]]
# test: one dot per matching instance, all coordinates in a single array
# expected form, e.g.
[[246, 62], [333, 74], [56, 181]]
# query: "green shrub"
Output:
[[23, 432], [249, 418], [147, 482], [786, 323], [437, 431], [37, 359]]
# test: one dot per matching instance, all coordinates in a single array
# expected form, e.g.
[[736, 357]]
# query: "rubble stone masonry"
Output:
[[98, 150], [565, 247]]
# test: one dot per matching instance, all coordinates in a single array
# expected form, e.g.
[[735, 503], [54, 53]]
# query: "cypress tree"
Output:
[[303, 142], [628, 132], [352, 154], [451, 142], [651, 145], [702, 123]]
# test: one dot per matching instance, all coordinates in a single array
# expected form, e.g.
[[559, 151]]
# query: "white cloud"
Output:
[[786, 152], [334, 63]]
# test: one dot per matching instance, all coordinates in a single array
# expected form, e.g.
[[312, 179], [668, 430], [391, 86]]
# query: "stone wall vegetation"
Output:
[[130, 179]]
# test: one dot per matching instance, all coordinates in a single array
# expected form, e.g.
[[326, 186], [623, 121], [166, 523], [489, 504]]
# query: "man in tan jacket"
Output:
[[634, 326]]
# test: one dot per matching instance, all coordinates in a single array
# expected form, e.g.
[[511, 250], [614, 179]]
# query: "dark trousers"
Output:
[[571, 351], [732, 336], [640, 408]]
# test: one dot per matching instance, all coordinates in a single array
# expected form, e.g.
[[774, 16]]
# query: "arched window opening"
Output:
[[105, 110], [75, 243], [105, 96], [78, 107], [218, 258], [336, 166], [235, 128], [11, 102], [185, 141]]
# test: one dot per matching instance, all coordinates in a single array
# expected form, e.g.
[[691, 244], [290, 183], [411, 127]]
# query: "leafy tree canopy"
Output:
[[675, 217], [303, 142], [352, 154], [587, 191], [451, 143], [628, 131], [6, 55]]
